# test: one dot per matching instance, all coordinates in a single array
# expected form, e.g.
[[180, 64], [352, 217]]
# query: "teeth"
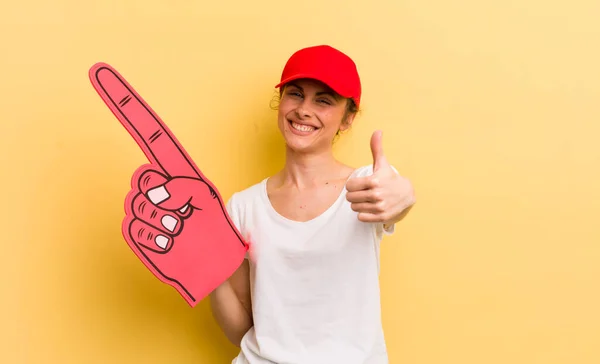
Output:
[[302, 127]]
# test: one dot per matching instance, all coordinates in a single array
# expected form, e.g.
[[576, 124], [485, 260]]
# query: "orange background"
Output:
[[491, 108]]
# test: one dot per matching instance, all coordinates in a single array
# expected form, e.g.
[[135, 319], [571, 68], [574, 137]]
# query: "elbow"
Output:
[[236, 337]]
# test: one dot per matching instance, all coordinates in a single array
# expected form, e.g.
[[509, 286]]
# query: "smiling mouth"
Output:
[[302, 127]]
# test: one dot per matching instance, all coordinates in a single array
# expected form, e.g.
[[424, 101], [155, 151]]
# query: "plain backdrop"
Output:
[[489, 107]]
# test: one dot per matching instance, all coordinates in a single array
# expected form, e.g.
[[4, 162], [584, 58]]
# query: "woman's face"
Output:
[[310, 115]]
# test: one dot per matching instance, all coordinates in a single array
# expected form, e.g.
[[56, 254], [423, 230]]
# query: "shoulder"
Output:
[[245, 197], [242, 205], [247, 194]]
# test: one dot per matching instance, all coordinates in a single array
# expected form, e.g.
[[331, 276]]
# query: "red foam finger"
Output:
[[148, 179], [152, 135], [168, 222], [149, 237], [207, 248], [185, 211]]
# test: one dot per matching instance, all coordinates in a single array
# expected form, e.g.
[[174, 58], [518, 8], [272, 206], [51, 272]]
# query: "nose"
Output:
[[303, 111]]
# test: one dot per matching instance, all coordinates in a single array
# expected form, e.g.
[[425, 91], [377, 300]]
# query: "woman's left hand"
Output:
[[383, 197]]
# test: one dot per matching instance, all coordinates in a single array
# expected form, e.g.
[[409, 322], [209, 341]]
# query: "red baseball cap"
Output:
[[326, 64]]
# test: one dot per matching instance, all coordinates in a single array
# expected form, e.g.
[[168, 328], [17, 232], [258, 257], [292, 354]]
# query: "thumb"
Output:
[[379, 159]]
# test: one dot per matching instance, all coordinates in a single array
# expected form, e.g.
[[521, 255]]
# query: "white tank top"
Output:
[[314, 284]]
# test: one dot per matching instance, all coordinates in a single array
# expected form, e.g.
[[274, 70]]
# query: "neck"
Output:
[[310, 169]]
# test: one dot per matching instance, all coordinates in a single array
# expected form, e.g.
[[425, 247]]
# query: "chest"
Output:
[[335, 246], [307, 204]]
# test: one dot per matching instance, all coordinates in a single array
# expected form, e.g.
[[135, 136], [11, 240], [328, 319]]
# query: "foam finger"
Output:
[[166, 221], [149, 179], [156, 140], [152, 183], [149, 237]]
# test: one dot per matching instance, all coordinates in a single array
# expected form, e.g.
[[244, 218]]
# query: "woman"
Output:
[[308, 292]]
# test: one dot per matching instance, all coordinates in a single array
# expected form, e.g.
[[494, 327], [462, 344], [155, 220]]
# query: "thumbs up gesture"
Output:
[[383, 197]]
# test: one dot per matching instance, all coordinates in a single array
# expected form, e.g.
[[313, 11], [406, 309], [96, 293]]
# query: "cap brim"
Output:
[[313, 77]]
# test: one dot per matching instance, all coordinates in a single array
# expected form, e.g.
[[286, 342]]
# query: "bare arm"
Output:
[[231, 305]]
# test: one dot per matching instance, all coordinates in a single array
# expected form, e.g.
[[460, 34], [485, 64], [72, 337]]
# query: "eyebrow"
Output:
[[326, 92]]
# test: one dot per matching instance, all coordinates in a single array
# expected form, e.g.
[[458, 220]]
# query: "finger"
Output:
[[367, 207], [147, 179], [362, 183], [180, 194], [167, 222], [370, 217], [369, 195], [154, 138], [379, 159], [152, 184], [184, 212], [149, 237]]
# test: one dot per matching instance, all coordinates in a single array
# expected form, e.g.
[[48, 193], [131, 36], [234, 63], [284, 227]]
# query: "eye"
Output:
[[324, 101], [294, 93]]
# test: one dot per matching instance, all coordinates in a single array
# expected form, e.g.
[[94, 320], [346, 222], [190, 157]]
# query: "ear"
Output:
[[347, 122]]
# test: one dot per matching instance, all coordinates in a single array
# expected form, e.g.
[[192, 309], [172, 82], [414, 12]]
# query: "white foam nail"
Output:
[[169, 222], [158, 195], [161, 241], [183, 209]]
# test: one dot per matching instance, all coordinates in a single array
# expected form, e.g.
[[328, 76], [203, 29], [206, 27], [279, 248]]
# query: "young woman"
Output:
[[308, 292]]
